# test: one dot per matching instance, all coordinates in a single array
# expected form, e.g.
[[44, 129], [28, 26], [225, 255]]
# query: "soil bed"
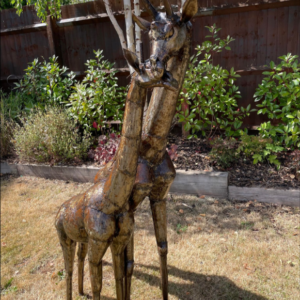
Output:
[[194, 155]]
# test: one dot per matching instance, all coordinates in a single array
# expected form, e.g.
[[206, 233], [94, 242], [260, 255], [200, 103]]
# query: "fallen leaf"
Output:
[[292, 176], [296, 233], [3, 244], [223, 240], [181, 211], [199, 228], [202, 215], [28, 199], [202, 197], [216, 202], [246, 267]]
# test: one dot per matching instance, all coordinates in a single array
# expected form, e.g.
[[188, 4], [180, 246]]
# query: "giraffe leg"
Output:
[[68, 248], [142, 188], [96, 251], [81, 253], [125, 225], [129, 265], [164, 176]]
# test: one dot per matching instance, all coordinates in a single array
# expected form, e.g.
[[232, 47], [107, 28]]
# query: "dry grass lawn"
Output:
[[217, 249]]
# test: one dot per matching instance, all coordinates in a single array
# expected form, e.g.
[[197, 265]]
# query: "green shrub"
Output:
[[14, 105], [279, 97], [97, 98], [259, 149], [210, 92], [44, 83], [223, 151], [6, 135], [50, 136]]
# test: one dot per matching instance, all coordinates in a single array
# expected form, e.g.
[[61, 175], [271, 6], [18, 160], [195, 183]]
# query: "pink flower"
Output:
[[199, 93], [212, 89], [95, 125], [238, 109]]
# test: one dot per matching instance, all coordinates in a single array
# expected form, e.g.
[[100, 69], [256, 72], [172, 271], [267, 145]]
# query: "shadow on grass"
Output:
[[223, 216], [198, 288]]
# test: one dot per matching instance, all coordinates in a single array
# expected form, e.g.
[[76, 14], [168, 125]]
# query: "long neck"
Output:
[[161, 110], [120, 181]]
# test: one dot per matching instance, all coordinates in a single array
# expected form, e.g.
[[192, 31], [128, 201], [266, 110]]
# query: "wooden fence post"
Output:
[[54, 39]]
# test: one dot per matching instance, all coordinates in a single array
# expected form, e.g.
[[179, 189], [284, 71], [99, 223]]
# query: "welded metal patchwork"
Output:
[[103, 216]]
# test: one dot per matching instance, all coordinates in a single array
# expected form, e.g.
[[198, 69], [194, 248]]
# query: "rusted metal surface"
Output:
[[263, 30], [102, 216]]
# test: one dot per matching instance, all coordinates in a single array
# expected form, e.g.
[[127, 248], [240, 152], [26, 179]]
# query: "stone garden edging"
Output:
[[213, 184]]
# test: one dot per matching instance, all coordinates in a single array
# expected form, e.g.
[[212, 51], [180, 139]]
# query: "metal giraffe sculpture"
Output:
[[170, 36], [101, 217]]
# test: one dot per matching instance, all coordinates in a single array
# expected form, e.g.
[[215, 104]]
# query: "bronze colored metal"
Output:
[[101, 217], [170, 36]]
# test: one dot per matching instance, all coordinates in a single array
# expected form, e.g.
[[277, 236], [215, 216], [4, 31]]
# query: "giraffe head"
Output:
[[146, 76], [168, 32]]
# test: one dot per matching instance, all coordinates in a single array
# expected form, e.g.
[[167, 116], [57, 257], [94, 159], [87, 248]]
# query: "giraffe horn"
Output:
[[168, 8], [151, 9]]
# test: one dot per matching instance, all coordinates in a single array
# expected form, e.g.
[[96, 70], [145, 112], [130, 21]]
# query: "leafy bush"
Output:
[[259, 149], [106, 148], [44, 84], [7, 127], [223, 151], [210, 92], [13, 105], [279, 94], [98, 98], [50, 136]]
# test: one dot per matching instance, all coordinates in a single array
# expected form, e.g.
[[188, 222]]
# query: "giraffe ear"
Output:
[[142, 23], [189, 9], [132, 59]]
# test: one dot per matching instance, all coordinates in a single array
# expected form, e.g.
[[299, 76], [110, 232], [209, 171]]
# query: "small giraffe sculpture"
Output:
[[100, 217], [170, 36]]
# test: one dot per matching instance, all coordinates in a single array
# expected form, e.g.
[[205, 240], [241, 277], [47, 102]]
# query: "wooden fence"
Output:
[[262, 29]]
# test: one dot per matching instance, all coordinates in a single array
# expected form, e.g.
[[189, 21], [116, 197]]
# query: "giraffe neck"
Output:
[[120, 181], [161, 110]]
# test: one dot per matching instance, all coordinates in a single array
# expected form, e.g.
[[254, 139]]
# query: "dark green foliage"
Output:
[[279, 98], [98, 98], [210, 92], [45, 83]]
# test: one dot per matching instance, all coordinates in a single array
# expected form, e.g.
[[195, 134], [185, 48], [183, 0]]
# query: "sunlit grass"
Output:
[[217, 250]]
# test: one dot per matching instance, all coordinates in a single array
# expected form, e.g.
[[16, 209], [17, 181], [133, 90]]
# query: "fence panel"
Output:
[[263, 30]]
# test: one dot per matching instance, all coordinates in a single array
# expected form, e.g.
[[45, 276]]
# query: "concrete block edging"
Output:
[[213, 184]]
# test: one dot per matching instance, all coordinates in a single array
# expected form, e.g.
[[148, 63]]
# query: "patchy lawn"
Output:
[[217, 249]]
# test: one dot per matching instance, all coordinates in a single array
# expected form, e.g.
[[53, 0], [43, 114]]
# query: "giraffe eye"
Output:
[[169, 33]]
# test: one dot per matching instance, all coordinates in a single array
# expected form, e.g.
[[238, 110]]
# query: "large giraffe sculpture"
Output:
[[170, 36], [101, 217]]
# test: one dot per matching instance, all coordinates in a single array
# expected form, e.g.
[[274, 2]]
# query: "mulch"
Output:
[[194, 155]]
